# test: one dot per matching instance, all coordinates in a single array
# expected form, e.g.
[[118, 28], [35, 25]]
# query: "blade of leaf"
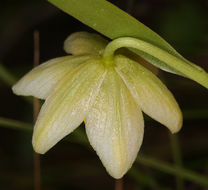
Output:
[[112, 22]]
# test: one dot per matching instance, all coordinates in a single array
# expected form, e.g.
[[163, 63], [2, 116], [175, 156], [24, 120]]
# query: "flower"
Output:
[[108, 97]]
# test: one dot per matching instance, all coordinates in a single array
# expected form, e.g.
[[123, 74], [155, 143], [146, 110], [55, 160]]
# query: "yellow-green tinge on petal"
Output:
[[67, 106], [39, 82], [115, 125], [150, 93]]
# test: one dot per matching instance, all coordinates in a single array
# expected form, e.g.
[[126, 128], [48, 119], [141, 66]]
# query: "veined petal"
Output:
[[80, 43], [68, 105], [39, 82], [115, 125], [150, 93]]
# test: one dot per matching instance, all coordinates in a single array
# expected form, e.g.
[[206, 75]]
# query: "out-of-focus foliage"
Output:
[[187, 28]]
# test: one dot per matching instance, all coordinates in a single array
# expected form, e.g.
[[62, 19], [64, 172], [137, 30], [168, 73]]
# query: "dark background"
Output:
[[70, 165]]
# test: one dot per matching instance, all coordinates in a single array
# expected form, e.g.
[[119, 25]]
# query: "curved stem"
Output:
[[186, 68]]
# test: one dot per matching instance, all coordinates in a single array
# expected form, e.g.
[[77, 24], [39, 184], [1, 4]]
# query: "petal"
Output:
[[150, 93], [80, 43], [68, 105], [39, 82], [115, 126]]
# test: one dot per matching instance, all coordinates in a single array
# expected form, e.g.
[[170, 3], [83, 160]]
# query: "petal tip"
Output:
[[14, 89], [116, 175], [38, 146], [178, 124], [120, 171], [18, 90]]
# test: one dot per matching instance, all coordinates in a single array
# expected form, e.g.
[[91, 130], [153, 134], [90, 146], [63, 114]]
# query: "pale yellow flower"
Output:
[[109, 98]]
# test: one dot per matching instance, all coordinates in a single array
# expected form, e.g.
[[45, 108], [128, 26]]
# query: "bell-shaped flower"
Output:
[[108, 96]]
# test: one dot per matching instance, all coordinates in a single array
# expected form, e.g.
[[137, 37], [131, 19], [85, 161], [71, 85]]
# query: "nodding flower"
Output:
[[105, 89]]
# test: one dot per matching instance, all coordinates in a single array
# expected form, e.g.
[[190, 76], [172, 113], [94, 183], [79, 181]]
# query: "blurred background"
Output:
[[72, 164]]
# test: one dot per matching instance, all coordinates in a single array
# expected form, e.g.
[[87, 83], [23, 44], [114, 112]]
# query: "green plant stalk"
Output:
[[13, 124], [173, 170], [189, 70], [177, 158], [144, 160], [6, 76], [10, 80]]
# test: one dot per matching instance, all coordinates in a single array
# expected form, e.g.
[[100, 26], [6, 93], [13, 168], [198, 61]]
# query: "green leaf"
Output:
[[112, 22]]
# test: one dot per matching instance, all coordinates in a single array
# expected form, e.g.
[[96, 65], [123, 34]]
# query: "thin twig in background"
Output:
[[119, 184], [36, 108]]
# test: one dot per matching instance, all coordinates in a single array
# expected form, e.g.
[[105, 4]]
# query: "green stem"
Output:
[[176, 157], [184, 67], [9, 79], [6, 76], [14, 124], [173, 170]]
